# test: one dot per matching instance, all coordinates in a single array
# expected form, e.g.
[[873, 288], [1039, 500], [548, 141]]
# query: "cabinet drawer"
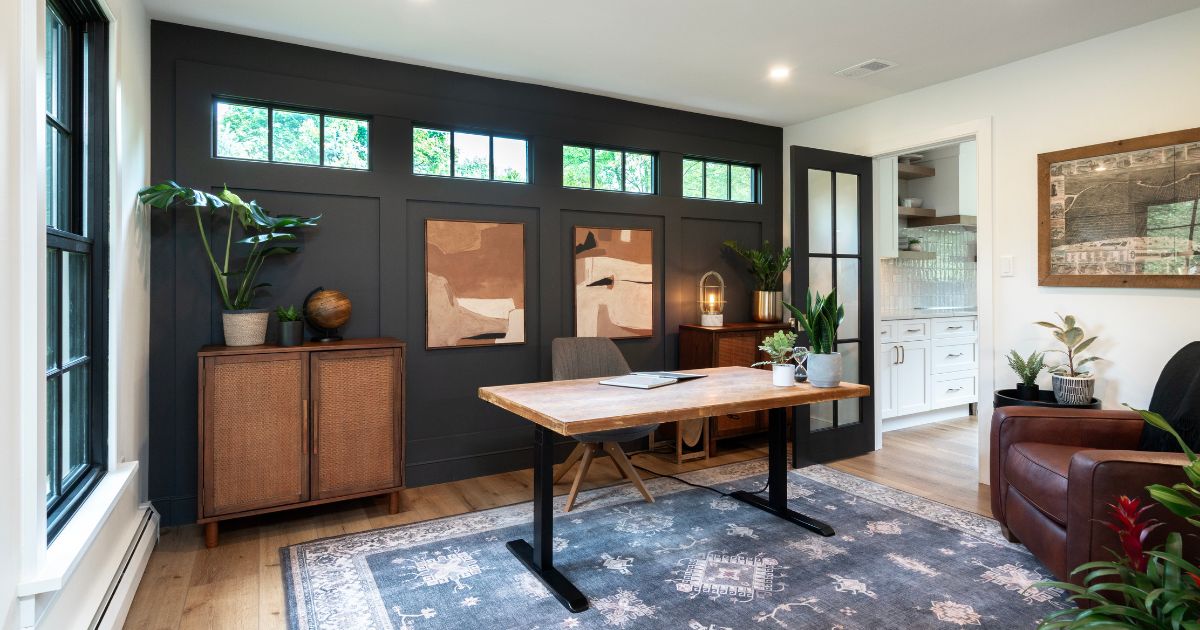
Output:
[[911, 329], [737, 424], [954, 356], [887, 332], [958, 388], [950, 327]]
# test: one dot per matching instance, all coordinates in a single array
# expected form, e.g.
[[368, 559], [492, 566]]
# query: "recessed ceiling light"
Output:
[[779, 73]]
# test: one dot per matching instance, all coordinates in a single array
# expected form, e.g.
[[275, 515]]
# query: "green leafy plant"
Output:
[[262, 232], [288, 314], [820, 319], [781, 347], [1074, 342], [766, 265], [1141, 588], [1028, 368], [913, 241]]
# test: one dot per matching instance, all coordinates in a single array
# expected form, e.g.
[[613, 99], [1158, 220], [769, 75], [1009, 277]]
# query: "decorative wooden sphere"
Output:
[[327, 309]]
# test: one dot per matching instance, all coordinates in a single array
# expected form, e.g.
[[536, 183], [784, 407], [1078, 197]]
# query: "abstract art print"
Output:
[[614, 282], [1121, 214], [474, 283]]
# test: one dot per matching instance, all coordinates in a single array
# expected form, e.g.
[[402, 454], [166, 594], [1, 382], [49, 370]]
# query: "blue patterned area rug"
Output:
[[692, 560]]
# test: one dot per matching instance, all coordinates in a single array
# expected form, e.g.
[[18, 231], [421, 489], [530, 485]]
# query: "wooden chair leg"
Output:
[[589, 453], [618, 456], [569, 462], [605, 447]]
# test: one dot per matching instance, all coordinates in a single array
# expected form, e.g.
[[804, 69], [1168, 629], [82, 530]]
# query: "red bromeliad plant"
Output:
[[1142, 588]]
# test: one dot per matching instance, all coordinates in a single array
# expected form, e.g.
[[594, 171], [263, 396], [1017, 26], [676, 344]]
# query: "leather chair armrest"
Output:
[[1093, 428], [1097, 478]]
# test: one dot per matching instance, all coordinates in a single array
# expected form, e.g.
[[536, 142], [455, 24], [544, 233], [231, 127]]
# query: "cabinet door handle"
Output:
[[903, 353], [953, 327], [315, 430], [914, 330], [954, 389], [954, 355], [895, 355]]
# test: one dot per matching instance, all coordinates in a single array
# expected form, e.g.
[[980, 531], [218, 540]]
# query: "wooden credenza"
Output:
[[281, 428], [726, 346]]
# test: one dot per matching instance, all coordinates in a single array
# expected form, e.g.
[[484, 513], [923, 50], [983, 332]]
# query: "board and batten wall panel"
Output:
[[371, 242]]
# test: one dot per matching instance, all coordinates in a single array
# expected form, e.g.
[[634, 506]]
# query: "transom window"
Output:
[[470, 155], [270, 133], [723, 181], [76, 288], [608, 169]]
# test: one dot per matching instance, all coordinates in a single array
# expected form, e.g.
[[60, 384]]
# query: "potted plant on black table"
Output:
[[1073, 385], [261, 232], [1027, 369]]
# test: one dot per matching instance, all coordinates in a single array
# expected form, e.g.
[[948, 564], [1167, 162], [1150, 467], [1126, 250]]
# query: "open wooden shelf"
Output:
[[907, 255], [914, 171], [965, 220], [905, 211]]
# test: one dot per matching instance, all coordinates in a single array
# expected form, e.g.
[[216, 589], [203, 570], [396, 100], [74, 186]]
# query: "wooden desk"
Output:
[[583, 406]]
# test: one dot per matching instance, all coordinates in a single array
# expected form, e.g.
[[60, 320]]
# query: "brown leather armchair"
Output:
[[1054, 472]]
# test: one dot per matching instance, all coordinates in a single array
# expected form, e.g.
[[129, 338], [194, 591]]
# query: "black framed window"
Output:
[[262, 132], [76, 257], [719, 180], [470, 155], [601, 168]]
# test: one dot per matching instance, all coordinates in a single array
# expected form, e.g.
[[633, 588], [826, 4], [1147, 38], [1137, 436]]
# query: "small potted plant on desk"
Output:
[[768, 267], [785, 357], [1027, 369], [820, 320], [291, 329], [1072, 384], [260, 231]]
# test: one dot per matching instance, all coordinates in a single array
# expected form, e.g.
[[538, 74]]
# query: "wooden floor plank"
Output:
[[239, 583]]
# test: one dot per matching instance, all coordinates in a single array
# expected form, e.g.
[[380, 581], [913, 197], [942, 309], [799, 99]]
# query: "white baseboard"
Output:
[[119, 597], [925, 417]]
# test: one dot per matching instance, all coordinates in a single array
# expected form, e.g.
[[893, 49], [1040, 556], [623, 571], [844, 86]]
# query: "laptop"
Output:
[[649, 380]]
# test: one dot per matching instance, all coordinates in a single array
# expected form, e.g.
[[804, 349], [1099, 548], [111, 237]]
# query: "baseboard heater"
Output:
[[117, 599]]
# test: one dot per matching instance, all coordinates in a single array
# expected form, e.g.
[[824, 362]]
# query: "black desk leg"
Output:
[[776, 501], [539, 557]]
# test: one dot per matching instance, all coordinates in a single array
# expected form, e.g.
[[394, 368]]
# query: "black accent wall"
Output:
[[370, 243]]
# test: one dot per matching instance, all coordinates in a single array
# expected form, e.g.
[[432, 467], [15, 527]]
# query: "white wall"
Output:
[[23, 557], [1131, 83]]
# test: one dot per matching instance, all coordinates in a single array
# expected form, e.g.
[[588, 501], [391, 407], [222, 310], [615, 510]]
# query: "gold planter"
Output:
[[767, 306]]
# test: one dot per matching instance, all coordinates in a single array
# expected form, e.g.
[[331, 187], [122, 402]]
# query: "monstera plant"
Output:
[[262, 236]]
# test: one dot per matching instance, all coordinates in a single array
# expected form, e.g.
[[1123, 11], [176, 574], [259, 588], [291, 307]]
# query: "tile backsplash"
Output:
[[947, 280]]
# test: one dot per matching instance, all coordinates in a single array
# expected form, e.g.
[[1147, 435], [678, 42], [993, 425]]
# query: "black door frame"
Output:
[[838, 442]]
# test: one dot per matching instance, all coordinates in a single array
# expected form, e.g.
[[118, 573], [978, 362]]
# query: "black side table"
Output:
[[1008, 398]]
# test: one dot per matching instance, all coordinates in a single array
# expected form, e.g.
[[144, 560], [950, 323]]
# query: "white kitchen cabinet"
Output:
[[927, 364], [904, 382], [885, 390]]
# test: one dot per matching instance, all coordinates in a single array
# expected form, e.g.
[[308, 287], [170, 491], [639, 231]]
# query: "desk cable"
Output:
[[766, 485]]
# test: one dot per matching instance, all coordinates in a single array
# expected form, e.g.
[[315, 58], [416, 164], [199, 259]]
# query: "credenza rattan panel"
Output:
[[354, 421]]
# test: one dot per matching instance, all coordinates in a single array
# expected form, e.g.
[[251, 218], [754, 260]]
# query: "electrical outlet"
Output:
[[1006, 266]]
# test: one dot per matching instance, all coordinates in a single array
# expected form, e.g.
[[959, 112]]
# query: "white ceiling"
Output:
[[709, 56]]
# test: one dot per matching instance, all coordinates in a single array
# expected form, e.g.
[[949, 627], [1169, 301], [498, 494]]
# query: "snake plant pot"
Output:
[[825, 370], [767, 306], [1027, 392], [783, 375], [291, 333], [1074, 390], [246, 327]]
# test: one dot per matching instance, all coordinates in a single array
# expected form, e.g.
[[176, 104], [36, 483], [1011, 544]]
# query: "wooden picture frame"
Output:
[[489, 334], [643, 294], [1159, 167]]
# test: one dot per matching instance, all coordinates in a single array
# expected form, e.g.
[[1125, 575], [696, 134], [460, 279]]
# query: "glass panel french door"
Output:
[[831, 237]]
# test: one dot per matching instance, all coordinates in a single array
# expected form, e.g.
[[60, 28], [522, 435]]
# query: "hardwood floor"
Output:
[[239, 585]]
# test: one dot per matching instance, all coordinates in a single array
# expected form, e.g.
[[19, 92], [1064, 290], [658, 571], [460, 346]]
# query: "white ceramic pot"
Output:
[[825, 370], [1074, 390], [246, 327], [783, 375]]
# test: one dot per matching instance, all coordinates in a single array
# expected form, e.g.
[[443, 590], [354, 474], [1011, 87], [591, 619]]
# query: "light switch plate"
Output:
[[1006, 266]]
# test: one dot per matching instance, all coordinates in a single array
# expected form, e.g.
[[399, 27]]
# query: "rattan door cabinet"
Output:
[[282, 428], [734, 344]]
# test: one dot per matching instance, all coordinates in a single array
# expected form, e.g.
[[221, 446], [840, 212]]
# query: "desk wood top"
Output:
[[584, 406]]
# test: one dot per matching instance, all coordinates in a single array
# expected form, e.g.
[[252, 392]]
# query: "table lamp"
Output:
[[712, 299]]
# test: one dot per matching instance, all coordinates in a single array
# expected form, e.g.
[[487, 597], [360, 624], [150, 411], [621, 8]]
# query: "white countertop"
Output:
[[928, 313]]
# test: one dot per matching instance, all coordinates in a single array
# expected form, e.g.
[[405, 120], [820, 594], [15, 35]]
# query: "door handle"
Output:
[[953, 327], [954, 355], [954, 389], [903, 354], [895, 355], [914, 330]]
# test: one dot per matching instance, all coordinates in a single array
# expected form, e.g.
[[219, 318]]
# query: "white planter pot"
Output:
[[783, 375], [1074, 390], [245, 328], [825, 370]]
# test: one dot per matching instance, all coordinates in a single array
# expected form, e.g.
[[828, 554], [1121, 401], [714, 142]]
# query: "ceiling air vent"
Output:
[[859, 70]]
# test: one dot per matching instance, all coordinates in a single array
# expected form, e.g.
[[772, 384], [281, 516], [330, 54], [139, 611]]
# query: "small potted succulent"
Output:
[[820, 319], [768, 266], [1073, 385], [291, 328], [1027, 369], [914, 244], [785, 357]]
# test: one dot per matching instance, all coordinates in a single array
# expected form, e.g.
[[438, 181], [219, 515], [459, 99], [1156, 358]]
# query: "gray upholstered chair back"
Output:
[[586, 357]]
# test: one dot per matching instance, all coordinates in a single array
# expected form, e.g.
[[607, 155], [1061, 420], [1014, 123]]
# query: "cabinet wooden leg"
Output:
[[210, 535], [394, 503]]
